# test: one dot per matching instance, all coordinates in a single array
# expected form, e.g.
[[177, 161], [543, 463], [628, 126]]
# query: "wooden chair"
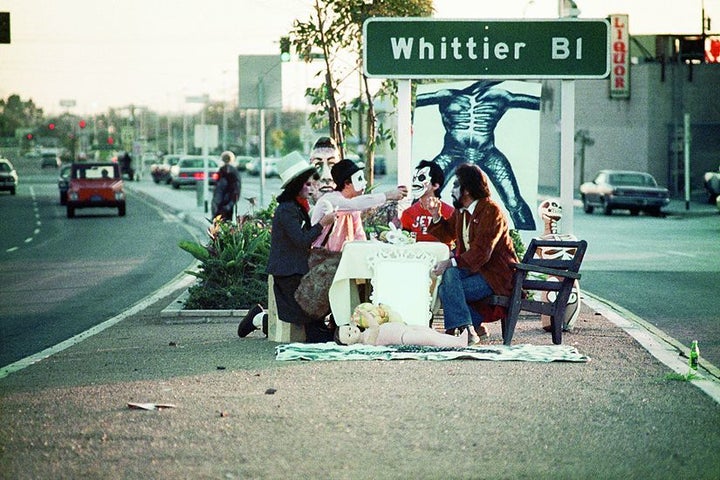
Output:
[[534, 274]]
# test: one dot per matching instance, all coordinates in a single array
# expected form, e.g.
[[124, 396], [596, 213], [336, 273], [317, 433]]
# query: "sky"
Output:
[[156, 53]]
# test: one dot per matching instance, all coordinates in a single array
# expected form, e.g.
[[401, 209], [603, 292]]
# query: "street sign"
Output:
[[206, 136], [470, 49]]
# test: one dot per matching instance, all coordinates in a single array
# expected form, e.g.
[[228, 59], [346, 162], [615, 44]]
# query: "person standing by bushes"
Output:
[[291, 237]]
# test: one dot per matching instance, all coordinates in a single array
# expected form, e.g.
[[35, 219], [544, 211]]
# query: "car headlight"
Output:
[[73, 195], [119, 195]]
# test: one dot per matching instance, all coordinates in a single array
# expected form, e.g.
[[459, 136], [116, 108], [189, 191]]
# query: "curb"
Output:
[[666, 349], [175, 314]]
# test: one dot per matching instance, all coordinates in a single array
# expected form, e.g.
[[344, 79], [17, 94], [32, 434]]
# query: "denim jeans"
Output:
[[458, 287]]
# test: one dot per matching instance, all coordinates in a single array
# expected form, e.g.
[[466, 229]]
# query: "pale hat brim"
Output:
[[292, 166]]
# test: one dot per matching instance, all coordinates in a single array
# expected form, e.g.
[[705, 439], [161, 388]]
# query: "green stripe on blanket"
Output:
[[520, 353]]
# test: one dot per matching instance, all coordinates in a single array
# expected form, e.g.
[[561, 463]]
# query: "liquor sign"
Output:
[[620, 57], [412, 47]]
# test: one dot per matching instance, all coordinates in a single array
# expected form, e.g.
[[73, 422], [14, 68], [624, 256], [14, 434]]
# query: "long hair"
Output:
[[293, 188], [472, 180]]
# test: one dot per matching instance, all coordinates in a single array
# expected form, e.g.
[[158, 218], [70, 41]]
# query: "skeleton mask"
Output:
[[358, 181], [421, 182]]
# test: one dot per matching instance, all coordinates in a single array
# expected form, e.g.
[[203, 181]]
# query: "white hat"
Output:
[[291, 166]]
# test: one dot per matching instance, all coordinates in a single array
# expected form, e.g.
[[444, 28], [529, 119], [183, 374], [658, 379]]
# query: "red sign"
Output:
[[619, 57]]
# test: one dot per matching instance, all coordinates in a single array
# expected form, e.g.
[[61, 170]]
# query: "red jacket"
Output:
[[491, 251]]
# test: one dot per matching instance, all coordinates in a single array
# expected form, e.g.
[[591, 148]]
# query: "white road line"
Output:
[[181, 281], [681, 254]]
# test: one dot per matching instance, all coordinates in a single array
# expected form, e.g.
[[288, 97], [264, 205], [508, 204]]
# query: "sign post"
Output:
[[567, 49]]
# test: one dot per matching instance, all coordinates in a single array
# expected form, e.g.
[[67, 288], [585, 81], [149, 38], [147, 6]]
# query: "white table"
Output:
[[356, 264]]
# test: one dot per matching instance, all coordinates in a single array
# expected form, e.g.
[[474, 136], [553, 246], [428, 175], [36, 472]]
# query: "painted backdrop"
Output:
[[494, 124]]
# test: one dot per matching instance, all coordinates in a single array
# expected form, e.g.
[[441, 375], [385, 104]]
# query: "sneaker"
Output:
[[473, 338], [246, 326], [483, 332]]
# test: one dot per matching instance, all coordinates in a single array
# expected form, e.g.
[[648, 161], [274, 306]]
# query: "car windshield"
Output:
[[632, 180], [95, 172], [4, 167], [197, 163]]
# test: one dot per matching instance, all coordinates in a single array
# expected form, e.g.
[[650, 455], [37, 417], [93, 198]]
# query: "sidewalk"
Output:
[[239, 413]]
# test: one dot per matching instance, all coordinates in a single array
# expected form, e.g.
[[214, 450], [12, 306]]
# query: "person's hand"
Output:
[[328, 218], [397, 194], [432, 205], [441, 266]]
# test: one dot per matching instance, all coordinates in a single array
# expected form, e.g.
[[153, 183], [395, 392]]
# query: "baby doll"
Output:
[[396, 333]]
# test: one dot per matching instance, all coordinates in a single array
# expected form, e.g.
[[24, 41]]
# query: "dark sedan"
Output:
[[624, 190]]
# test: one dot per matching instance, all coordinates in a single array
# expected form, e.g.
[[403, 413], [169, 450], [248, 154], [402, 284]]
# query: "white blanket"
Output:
[[521, 353]]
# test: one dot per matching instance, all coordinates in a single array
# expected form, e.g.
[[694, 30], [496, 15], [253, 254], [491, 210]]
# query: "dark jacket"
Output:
[[290, 240]]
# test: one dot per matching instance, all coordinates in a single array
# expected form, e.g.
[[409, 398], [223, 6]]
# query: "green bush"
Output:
[[232, 265]]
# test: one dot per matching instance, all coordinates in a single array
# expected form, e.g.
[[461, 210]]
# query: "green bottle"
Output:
[[694, 355]]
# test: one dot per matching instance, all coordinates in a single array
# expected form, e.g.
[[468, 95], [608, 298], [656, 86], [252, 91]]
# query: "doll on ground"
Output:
[[395, 333]]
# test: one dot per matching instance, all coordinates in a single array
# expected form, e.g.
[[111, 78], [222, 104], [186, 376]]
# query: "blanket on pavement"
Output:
[[523, 353]]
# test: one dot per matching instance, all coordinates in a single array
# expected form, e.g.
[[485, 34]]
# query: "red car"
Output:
[[95, 185]]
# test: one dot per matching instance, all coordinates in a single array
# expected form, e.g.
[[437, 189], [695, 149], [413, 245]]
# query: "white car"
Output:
[[8, 176], [253, 167], [190, 169]]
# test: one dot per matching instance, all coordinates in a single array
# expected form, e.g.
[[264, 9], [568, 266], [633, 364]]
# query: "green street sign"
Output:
[[468, 49]]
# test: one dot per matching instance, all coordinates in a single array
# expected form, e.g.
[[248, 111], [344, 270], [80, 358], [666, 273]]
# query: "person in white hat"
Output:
[[291, 237]]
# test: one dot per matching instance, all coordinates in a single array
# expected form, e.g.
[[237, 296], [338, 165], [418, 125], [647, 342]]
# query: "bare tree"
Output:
[[334, 33]]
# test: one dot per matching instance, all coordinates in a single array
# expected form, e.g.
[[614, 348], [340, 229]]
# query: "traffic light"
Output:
[[82, 124], [51, 126], [29, 136], [285, 49], [110, 141]]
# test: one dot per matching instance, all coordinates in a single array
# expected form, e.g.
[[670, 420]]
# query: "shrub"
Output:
[[232, 265]]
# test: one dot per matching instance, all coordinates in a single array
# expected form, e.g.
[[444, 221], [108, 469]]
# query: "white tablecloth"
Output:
[[354, 264]]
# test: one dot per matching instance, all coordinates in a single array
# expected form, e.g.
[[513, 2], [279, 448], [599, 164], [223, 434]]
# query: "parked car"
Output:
[[95, 185], [8, 176], [64, 183], [253, 167], [241, 161], [50, 158], [160, 171], [624, 189], [191, 169], [711, 181]]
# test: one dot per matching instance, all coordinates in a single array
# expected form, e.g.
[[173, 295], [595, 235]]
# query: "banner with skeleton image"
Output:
[[494, 124]]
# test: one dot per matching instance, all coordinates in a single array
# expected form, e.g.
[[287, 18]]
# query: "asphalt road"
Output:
[[61, 276], [663, 270]]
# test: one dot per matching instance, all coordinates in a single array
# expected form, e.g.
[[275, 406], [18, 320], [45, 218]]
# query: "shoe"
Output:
[[483, 332], [246, 325], [473, 338]]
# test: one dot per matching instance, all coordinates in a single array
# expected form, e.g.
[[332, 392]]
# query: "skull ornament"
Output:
[[550, 212]]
